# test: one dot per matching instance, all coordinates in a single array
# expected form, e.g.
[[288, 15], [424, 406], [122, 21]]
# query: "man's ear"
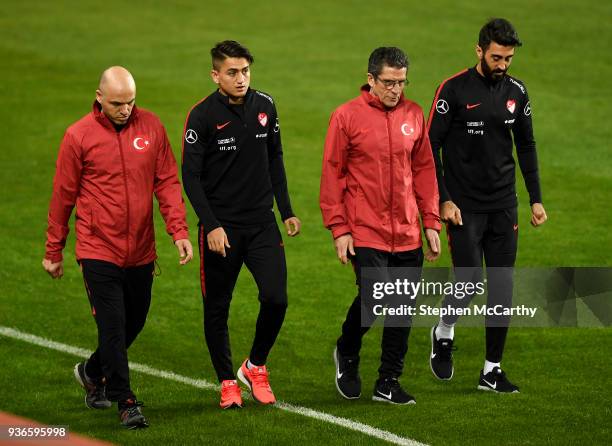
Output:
[[479, 52], [214, 75], [371, 80]]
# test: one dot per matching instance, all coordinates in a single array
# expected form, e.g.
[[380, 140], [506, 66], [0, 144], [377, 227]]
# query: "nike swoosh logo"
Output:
[[494, 385], [515, 227], [433, 355], [471, 106], [340, 375], [382, 394], [220, 126]]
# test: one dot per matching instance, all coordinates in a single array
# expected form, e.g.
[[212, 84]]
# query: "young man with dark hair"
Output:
[[378, 174], [110, 164], [227, 49], [473, 119], [232, 172]]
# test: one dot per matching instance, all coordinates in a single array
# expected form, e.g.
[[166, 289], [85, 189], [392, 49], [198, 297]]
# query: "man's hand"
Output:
[[55, 270], [433, 242], [538, 214], [185, 250], [293, 226], [451, 213], [217, 241], [343, 244]]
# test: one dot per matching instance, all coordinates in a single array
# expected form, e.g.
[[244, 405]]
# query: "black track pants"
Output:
[[261, 249], [495, 236], [120, 300], [394, 339]]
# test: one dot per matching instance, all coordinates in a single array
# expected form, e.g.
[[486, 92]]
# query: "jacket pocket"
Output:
[[409, 211], [97, 230]]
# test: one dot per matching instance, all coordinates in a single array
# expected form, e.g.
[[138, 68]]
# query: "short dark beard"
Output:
[[489, 74]]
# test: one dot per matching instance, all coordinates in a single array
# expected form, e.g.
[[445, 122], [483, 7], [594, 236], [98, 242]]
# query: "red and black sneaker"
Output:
[[130, 414], [95, 392]]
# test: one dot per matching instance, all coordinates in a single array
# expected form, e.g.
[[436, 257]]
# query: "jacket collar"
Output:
[[102, 119], [374, 101]]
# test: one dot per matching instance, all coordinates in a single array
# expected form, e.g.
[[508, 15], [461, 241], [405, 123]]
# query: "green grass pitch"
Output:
[[311, 56]]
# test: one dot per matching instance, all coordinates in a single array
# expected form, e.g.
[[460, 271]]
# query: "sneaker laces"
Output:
[[350, 367], [133, 411], [446, 349], [231, 388], [393, 384], [132, 408], [499, 374], [99, 392], [259, 376]]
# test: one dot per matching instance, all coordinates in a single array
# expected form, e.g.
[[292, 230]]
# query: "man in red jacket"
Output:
[[110, 164], [378, 174]]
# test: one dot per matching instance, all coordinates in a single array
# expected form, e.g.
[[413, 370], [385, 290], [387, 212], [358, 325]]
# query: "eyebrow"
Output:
[[238, 69], [119, 102]]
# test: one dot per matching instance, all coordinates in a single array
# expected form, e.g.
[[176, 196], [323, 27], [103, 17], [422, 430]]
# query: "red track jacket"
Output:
[[378, 174], [111, 176]]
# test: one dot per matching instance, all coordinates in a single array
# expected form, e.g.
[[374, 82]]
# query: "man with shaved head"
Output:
[[110, 164], [116, 94]]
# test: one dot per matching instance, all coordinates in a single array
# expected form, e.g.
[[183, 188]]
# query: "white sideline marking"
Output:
[[202, 384]]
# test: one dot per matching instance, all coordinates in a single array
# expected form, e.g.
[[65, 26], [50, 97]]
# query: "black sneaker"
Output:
[[389, 390], [95, 393], [348, 381], [130, 415], [496, 381], [441, 358]]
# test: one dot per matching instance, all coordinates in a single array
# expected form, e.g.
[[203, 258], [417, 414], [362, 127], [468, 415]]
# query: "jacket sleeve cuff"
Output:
[[183, 234], [432, 223], [211, 226], [536, 198], [54, 258], [341, 229], [286, 213], [444, 195]]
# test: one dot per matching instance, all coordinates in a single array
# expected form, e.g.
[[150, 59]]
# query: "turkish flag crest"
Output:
[[141, 143], [511, 105], [263, 119]]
